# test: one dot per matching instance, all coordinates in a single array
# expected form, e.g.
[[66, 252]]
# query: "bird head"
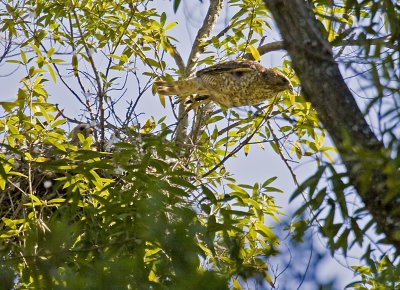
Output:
[[278, 80], [83, 129]]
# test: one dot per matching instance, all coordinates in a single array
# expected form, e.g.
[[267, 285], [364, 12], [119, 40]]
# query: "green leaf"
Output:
[[50, 52], [153, 63], [56, 60], [235, 212], [35, 200], [176, 5], [209, 194], [8, 106], [264, 230], [36, 49], [238, 189], [14, 61], [163, 18], [254, 52], [272, 189], [246, 149], [268, 181], [310, 183], [52, 73], [56, 201], [183, 182], [236, 285], [75, 64], [170, 26], [284, 129]]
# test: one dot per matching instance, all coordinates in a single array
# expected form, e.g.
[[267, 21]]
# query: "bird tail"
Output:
[[179, 88]]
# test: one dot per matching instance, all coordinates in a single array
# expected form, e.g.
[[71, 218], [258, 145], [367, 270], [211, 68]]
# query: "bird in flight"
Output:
[[232, 83]]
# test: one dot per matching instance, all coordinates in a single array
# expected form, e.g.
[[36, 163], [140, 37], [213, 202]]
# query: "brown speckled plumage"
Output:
[[83, 129], [230, 84]]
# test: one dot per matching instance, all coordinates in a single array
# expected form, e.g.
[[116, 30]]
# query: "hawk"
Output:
[[233, 83]]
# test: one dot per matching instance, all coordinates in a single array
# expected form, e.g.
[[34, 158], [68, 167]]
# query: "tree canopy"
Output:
[[114, 198]]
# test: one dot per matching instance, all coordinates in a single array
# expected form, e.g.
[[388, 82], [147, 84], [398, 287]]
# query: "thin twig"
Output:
[[240, 146], [276, 140]]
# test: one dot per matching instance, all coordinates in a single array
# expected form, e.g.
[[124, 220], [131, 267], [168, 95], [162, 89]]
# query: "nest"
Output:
[[36, 175], [30, 174]]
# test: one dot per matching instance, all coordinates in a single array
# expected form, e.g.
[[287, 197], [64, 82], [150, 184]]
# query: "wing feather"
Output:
[[232, 65]]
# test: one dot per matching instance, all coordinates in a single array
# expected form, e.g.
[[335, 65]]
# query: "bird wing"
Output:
[[231, 65]]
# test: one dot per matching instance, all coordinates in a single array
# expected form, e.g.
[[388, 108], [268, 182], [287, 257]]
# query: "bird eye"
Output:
[[283, 81]]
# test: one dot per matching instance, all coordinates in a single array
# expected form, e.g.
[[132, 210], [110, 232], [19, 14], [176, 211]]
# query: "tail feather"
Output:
[[179, 88]]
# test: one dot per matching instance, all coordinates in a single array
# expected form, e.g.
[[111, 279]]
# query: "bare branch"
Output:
[[263, 49], [200, 121], [198, 47], [203, 34], [279, 45], [177, 57]]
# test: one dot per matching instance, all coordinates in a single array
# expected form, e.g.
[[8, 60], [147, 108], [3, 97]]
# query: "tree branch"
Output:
[[263, 49], [203, 34], [324, 86], [100, 93], [177, 57], [198, 47], [279, 45]]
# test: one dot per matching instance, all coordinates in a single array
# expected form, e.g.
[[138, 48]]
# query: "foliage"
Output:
[[381, 275], [130, 208]]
